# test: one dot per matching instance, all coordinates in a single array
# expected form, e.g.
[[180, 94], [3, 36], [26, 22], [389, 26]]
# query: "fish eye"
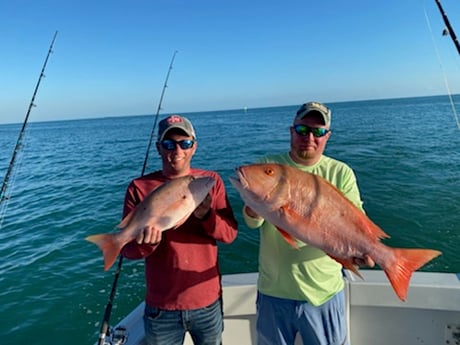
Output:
[[269, 171]]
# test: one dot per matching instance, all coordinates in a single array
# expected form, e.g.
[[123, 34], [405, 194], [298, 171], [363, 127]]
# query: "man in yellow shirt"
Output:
[[301, 290]]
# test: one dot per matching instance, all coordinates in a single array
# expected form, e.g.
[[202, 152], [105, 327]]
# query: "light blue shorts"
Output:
[[279, 320]]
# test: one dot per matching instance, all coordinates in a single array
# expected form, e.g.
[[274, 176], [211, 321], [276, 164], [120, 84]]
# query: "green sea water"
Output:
[[71, 177]]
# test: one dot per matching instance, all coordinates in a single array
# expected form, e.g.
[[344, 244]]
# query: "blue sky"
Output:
[[111, 56]]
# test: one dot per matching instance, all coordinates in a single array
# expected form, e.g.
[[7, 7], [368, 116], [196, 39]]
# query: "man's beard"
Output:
[[303, 154]]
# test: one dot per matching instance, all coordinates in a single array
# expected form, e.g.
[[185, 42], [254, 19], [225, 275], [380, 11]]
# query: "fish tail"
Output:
[[406, 262], [110, 248]]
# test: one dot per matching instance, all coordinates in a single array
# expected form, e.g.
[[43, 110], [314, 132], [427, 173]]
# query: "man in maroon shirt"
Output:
[[182, 274]]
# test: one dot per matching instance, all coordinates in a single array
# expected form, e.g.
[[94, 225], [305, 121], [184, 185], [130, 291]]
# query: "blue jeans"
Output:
[[168, 327], [279, 320]]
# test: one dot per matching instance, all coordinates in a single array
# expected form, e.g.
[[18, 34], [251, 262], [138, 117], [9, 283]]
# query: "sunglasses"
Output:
[[303, 131], [169, 144]]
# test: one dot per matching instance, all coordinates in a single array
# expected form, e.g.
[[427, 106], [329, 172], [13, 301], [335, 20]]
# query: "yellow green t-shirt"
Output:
[[307, 273]]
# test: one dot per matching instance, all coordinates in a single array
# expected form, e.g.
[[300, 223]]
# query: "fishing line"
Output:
[[108, 309], [6, 185], [439, 58]]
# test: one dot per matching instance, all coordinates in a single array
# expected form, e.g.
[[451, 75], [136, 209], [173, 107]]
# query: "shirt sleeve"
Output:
[[349, 187], [251, 222]]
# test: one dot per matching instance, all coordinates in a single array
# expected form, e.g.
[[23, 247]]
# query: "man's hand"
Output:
[[365, 261], [249, 211], [149, 235], [203, 209]]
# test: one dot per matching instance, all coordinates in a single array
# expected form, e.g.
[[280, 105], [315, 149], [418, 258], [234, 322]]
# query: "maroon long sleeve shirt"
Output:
[[182, 271]]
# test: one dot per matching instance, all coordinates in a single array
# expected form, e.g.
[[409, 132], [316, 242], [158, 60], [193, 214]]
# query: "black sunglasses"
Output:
[[304, 130], [169, 144]]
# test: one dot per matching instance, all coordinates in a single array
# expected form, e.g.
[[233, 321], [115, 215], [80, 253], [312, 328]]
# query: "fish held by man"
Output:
[[308, 208], [166, 207]]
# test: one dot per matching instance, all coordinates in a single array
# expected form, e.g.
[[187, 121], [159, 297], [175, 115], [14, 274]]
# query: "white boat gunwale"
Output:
[[430, 315]]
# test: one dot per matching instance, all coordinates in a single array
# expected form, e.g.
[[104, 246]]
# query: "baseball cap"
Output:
[[175, 122], [320, 108]]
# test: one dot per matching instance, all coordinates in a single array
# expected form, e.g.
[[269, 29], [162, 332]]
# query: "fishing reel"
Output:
[[116, 336]]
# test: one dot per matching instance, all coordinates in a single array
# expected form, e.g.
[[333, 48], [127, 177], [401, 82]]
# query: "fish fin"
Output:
[[407, 261], [348, 264], [110, 248], [374, 230], [367, 226], [294, 217], [289, 239], [363, 222], [179, 223], [125, 221]]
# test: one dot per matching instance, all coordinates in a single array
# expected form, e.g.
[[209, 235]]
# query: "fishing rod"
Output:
[[108, 309], [17, 148], [450, 30], [158, 112]]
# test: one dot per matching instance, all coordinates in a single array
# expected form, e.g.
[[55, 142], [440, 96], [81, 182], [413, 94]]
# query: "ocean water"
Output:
[[71, 177]]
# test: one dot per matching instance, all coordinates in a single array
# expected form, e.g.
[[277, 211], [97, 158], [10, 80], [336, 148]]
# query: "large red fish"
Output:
[[166, 207], [306, 207]]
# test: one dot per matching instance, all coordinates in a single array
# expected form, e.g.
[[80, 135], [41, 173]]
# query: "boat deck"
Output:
[[429, 316]]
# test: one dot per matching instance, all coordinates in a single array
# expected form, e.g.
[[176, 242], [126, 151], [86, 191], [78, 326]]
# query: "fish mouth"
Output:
[[238, 180]]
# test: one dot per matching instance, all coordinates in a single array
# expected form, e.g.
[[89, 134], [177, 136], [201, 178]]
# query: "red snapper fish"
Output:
[[167, 207], [306, 207]]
